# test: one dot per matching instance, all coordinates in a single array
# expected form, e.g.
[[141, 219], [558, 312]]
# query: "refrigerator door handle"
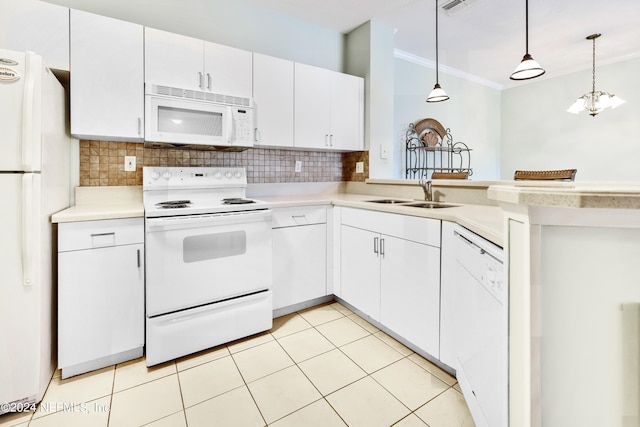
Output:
[[27, 228], [27, 114]]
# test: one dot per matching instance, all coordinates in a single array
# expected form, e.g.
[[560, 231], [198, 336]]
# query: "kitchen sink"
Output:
[[387, 201], [429, 205]]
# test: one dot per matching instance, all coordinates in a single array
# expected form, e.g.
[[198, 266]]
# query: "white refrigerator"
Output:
[[34, 184]]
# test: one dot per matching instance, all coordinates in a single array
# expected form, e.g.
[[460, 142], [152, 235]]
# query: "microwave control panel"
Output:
[[243, 125]]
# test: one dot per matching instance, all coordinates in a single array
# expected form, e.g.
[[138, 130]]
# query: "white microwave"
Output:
[[195, 119]]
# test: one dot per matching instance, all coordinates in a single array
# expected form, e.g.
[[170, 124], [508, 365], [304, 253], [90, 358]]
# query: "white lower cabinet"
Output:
[[299, 255], [391, 272], [100, 293], [410, 292], [361, 270]]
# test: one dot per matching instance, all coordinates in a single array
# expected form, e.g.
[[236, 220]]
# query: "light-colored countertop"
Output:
[[485, 221], [569, 194], [96, 203]]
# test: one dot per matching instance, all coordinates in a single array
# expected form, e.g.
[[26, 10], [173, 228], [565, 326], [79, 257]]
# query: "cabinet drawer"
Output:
[[416, 229], [302, 215], [99, 234]]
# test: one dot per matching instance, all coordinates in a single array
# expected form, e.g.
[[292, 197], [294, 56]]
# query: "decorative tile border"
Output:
[[102, 163]]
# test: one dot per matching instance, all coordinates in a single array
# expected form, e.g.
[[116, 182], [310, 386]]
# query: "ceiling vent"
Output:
[[455, 6]]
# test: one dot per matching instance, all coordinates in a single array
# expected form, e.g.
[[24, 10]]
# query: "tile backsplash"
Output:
[[102, 163]]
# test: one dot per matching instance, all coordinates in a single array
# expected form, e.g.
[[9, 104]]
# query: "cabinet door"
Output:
[[100, 303], [173, 60], [299, 264], [312, 106], [107, 71], [361, 270], [347, 112], [273, 96], [228, 70], [410, 291]]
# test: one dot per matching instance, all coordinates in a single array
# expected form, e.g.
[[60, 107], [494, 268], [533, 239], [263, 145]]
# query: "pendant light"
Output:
[[529, 67], [437, 94], [593, 101]]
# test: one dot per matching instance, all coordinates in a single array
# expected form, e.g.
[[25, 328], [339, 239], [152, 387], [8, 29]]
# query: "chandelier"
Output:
[[595, 101]]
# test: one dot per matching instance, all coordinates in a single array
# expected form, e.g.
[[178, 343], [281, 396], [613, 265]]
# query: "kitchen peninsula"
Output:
[[574, 303]]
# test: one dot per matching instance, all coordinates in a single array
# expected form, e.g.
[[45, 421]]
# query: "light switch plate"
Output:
[[130, 163], [298, 165], [359, 167], [383, 151]]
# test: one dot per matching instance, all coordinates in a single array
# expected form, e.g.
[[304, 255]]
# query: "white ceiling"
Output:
[[487, 38]]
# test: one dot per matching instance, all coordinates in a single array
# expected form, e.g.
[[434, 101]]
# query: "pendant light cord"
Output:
[[436, 41], [593, 90], [526, 25]]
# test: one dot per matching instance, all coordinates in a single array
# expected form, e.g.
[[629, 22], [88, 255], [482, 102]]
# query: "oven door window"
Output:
[[189, 122], [214, 246]]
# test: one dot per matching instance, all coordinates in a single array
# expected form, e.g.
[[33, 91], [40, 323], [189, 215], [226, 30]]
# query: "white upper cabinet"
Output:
[[228, 70], [329, 109], [273, 97], [173, 60], [185, 62], [38, 27], [107, 70], [347, 112], [312, 106]]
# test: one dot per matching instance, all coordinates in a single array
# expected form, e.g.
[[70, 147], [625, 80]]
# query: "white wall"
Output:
[[538, 133], [370, 55], [234, 23], [472, 114]]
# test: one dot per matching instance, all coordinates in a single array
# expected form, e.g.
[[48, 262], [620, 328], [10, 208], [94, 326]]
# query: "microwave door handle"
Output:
[[230, 130]]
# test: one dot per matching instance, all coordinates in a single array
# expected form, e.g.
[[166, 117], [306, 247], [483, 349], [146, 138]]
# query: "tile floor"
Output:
[[323, 366]]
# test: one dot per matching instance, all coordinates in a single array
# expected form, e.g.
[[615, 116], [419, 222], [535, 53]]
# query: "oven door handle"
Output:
[[194, 221]]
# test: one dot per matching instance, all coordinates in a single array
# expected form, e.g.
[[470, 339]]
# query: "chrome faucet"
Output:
[[428, 190]]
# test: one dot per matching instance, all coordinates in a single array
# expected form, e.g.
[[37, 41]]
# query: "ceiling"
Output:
[[486, 38]]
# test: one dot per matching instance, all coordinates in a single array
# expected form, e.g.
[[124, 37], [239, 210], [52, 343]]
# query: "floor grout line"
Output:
[[308, 325]]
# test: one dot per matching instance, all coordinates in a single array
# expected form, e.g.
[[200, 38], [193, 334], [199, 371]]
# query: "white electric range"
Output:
[[207, 260]]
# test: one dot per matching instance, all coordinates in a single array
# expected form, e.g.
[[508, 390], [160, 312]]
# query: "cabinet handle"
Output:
[[113, 233], [255, 135], [382, 247], [139, 126], [200, 80], [331, 140], [326, 140], [375, 245], [208, 81], [138, 255]]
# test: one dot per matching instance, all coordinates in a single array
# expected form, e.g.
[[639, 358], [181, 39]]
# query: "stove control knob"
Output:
[[166, 175], [155, 175], [238, 174], [228, 175], [218, 175]]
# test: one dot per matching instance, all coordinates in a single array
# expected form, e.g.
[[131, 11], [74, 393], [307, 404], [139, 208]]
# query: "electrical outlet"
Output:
[[359, 167], [130, 163], [383, 151], [298, 165]]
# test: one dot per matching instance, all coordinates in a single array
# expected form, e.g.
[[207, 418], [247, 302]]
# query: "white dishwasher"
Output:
[[475, 323]]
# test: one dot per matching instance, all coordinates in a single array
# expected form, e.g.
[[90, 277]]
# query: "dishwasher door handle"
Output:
[[476, 247], [469, 242]]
